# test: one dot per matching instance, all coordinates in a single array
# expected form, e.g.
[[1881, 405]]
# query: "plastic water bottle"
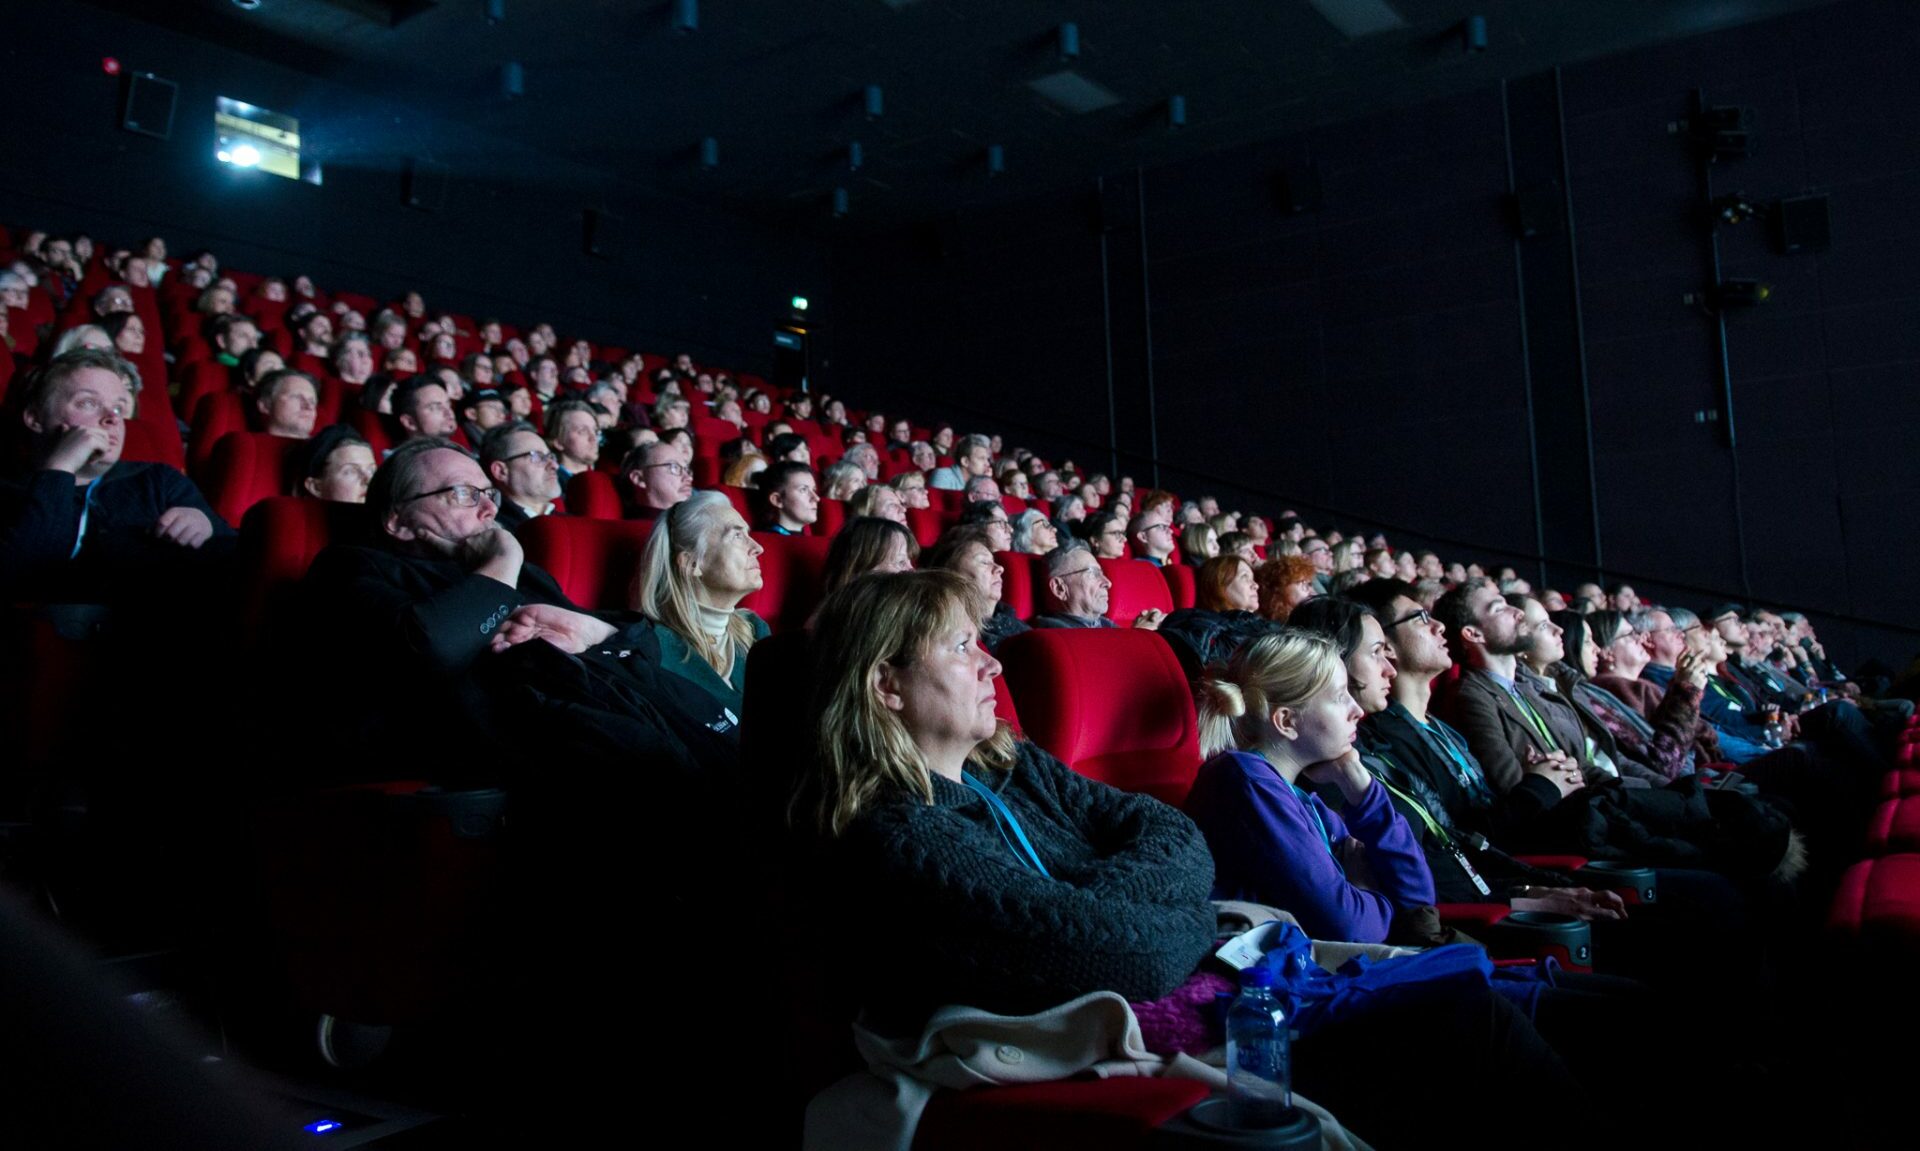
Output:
[[1259, 1067]]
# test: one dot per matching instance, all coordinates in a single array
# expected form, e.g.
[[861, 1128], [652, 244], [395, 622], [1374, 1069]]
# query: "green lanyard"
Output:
[[1438, 832], [1533, 717], [1724, 693]]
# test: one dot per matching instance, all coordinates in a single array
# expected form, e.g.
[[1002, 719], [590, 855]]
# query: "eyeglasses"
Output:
[[1319, 551], [540, 457], [674, 468], [461, 495], [1423, 616], [1079, 571]]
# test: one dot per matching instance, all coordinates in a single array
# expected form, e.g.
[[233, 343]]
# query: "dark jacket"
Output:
[[1455, 791], [1079, 621], [678, 659], [119, 557], [405, 631], [1596, 735], [1001, 626], [936, 908], [1202, 638]]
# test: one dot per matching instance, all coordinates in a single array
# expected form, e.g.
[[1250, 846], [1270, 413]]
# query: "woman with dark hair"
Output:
[[867, 544], [968, 550], [1017, 885]]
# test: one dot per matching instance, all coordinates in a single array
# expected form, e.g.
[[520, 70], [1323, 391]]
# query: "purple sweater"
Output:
[[1268, 848]]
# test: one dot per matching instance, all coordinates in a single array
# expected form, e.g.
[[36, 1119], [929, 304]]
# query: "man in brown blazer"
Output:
[[1508, 727]]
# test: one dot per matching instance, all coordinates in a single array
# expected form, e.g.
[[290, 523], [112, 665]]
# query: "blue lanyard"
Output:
[[1003, 819], [86, 507], [1470, 778]]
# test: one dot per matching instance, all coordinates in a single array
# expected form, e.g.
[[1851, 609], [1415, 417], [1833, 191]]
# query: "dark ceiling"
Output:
[[778, 83]]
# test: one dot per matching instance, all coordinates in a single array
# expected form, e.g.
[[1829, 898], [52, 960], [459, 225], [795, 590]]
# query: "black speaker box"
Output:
[[1803, 224], [1298, 190], [149, 107], [1539, 209], [598, 233], [425, 185]]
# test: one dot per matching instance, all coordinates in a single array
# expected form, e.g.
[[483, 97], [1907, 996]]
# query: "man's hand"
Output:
[[75, 448], [188, 527], [1150, 619], [570, 631], [1556, 769], [1576, 901], [491, 544]]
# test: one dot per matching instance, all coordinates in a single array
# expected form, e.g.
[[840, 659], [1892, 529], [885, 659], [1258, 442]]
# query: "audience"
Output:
[[700, 562]]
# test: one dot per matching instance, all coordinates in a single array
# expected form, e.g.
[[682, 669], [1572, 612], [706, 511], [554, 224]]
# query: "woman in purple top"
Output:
[[1279, 716]]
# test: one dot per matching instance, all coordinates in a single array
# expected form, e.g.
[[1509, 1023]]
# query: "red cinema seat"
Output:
[[792, 569], [373, 428], [706, 471], [738, 498], [1014, 505], [219, 414], [205, 378], [1877, 907], [149, 442], [1180, 584], [278, 539], [594, 494], [1022, 584], [245, 468], [709, 433], [592, 560], [1044, 507], [926, 525], [1894, 826], [946, 501], [1111, 703], [1003, 703], [1111, 1114], [1902, 780], [833, 515], [1137, 586]]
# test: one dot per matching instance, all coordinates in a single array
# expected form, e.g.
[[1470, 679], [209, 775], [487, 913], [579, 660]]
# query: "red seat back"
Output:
[[833, 515], [1111, 703], [245, 468], [595, 495], [218, 415], [791, 571], [1014, 505], [1180, 583], [149, 442], [1137, 586], [279, 536], [926, 525], [1023, 587], [593, 560]]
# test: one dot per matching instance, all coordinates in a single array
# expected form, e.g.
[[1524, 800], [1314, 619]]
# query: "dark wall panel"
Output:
[[507, 242], [1364, 362]]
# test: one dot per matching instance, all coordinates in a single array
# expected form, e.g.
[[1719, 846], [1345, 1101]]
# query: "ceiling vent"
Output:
[[1071, 92]]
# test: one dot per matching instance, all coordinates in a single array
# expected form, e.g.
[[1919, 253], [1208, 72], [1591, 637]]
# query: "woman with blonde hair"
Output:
[[842, 479], [699, 563], [1276, 718], [1015, 885]]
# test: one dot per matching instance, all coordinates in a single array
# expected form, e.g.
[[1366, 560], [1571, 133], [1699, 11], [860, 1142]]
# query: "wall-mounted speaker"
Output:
[[1803, 224], [599, 233], [425, 185], [1298, 190], [1539, 209], [149, 106]]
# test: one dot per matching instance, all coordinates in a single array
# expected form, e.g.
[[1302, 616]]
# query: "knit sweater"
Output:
[[938, 908]]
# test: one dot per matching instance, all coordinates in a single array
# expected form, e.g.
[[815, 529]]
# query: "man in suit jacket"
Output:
[[1508, 730]]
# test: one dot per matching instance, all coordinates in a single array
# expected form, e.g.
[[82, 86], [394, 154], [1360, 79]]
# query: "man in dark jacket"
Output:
[[83, 525], [407, 614]]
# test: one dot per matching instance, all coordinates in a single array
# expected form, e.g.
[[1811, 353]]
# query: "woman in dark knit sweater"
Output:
[[967, 867]]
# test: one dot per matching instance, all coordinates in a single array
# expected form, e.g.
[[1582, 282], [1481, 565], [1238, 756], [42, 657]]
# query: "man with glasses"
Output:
[[406, 617], [1152, 534], [526, 472], [1077, 592], [1425, 758], [1321, 554], [657, 479], [1509, 727]]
